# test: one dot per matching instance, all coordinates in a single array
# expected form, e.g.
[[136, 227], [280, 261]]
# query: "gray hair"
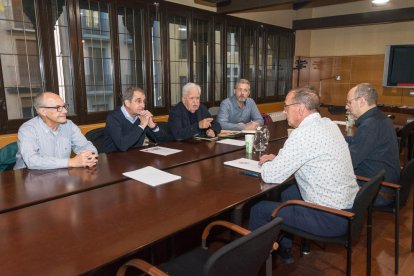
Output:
[[190, 86], [308, 97], [241, 81], [38, 101], [128, 94], [368, 92]]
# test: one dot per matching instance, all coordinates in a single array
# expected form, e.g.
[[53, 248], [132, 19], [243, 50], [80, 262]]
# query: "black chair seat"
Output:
[[180, 265], [342, 240]]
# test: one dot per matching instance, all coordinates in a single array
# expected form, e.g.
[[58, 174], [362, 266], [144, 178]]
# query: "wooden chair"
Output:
[[362, 204], [402, 191], [243, 256]]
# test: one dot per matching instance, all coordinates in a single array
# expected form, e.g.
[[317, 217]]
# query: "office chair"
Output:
[[363, 202], [96, 136], [402, 191], [8, 156], [243, 256], [406, 141]]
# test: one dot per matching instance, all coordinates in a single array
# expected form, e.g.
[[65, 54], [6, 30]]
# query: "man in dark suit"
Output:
[[189, 118], [127, 126]]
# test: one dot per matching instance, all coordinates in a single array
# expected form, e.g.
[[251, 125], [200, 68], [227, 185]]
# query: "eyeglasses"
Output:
[[287, 105], [350, 100], [58, 108]]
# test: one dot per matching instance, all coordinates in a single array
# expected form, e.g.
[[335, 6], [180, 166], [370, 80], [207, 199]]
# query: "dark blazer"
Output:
[[180, 126], [121, 134]]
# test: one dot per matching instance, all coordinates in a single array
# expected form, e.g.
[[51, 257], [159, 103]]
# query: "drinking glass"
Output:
[[261, 139]]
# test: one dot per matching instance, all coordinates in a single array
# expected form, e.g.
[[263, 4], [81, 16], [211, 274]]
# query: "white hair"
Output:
[[190, 86]]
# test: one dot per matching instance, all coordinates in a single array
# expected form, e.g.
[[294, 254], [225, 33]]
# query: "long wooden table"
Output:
[[22, 188], [78, 233], [71, 221]]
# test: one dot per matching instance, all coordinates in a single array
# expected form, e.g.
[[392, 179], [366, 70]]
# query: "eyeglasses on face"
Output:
[[285, 106], [58, 108], [348, 102]]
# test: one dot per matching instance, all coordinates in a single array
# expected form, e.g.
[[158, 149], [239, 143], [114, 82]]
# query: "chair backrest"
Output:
[[214, 110], [96, 136], [364, 198], [245, 255], [406, 135], [406, 181], [337, 109], [8, 156]]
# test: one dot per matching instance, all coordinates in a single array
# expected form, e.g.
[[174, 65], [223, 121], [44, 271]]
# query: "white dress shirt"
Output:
[[318, 155]]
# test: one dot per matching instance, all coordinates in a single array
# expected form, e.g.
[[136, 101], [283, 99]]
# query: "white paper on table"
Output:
[[152, 176], [161, 150], [245, 164], [343, 123], [234, 142]]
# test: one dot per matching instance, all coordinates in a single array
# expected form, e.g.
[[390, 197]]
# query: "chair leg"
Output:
[[237, 214], [269, 271], [412, 229], [349, 250], [369, 239], [397, 230]]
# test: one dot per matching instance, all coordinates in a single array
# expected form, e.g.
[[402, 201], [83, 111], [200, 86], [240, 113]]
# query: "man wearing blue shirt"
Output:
[[239, 112], [47, 140]]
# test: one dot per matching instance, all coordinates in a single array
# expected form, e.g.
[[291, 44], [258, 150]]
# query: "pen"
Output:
[[250, 173]]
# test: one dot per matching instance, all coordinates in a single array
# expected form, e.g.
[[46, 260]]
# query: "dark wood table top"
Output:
[[78, 233], [22, 188]]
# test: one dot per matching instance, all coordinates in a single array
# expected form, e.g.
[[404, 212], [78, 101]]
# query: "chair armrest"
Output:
[[342, 213], [383, 183], [141, 265], [234, 227]]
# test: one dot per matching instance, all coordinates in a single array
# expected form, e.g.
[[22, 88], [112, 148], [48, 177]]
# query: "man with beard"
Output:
[[239, 112]]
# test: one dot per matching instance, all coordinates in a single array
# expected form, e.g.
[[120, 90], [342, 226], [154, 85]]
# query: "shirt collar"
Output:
[[46, 128], [309, 119], [127, 115], [366, 115]]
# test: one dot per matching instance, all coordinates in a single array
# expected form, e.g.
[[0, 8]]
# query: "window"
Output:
[[177, 27], [232, 58], [131, 49], [19, 53], [97, 59], [201, 57], [89, 51], [249, 46]]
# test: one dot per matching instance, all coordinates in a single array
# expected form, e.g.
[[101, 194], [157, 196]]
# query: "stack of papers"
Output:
[[152, 176], [234, 142], [161, 150], [245, 164]]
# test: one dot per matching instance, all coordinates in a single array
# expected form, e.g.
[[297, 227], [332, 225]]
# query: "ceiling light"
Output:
[[380, 2]]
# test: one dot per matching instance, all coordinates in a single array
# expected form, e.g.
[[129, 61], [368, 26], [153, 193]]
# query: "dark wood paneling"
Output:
[[367, 18]]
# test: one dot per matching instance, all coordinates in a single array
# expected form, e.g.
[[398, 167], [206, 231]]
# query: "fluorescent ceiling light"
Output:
[[380, 2]]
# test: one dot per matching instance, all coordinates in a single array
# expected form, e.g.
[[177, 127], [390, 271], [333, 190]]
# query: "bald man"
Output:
[[47, 140]]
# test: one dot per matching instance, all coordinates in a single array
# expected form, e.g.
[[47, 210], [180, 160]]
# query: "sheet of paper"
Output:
[[234, 142], [342, 123], [247, 131], [152, 176], [245, 164], [161, 150]]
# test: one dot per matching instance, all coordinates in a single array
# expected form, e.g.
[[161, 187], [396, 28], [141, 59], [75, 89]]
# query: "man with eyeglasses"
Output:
[[374, 145], [47, 140], [317, 155], [239, 112]]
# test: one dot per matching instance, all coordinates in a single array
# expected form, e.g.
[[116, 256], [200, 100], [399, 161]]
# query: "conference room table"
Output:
[[84, 231], [23, 188]]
